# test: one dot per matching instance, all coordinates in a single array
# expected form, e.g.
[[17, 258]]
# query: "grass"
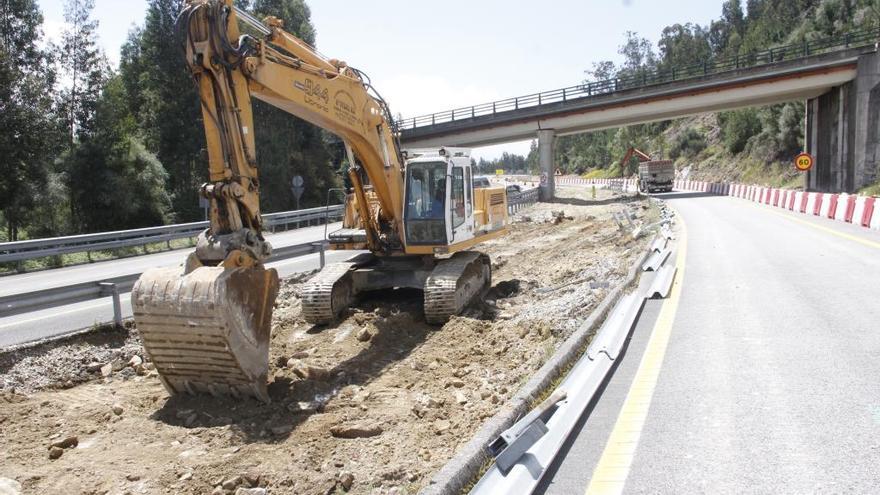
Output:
[[872, 190]]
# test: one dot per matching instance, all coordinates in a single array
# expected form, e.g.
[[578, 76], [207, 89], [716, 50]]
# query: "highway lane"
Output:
[[769, 383], [52, 322], [45, 279]]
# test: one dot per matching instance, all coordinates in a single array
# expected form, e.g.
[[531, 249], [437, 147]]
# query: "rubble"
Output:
[[373, 403]]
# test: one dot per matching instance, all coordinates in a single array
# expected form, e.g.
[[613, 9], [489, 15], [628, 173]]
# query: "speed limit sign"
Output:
[[803, 162]]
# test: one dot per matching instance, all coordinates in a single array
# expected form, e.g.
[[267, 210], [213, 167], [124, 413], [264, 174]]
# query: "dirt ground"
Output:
[[374, 404]]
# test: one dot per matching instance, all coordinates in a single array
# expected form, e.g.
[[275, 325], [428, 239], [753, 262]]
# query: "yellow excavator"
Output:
[[206, 325]]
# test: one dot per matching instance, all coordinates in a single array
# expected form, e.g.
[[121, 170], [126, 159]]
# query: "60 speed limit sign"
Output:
[[803, 162]]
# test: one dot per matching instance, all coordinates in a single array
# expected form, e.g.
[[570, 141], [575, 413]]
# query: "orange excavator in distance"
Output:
[[206, 325]]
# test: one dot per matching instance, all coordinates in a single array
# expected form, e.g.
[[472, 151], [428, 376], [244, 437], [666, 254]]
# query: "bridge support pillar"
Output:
[[843, 132], [546, 155]]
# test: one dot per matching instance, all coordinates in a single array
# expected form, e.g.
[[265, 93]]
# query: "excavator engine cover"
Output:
[[207, 330]]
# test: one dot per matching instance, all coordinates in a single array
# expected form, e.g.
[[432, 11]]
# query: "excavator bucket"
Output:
[[207, 330]]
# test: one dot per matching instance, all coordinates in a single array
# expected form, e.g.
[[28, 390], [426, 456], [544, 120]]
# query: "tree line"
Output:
[[769, 134], [86, 147]]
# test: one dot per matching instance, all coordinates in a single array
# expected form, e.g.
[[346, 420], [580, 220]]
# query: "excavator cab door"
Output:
[[460, 199]]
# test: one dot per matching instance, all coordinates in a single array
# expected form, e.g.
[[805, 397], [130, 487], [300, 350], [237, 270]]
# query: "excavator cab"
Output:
[[439, 197]]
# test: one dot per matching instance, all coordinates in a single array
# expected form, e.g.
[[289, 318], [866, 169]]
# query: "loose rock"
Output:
[[67, 443], [251, 491], [355, 430], [117, 409], [346, 479], [55, 452], [309, 372], [364, 335], [9, 487], [231, 483]]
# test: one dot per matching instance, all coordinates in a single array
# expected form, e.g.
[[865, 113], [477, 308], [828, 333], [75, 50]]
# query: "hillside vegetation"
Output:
[[753, 144], [89, 147]]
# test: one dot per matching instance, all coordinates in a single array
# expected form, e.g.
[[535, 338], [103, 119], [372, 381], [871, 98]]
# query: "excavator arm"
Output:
[[206, 327], [282, 70]]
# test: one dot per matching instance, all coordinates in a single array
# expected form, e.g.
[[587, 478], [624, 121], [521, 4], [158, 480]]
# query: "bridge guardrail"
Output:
[[40, 248], [644, 78]]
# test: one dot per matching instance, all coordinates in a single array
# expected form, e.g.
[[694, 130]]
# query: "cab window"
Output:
[[425, 203], [457, 200]]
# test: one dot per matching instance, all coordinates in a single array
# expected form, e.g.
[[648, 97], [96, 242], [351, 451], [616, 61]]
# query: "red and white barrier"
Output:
[[858, 210]]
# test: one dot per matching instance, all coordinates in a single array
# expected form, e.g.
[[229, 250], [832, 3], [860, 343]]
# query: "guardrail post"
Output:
[[806, 48], [563, 94], [320, 248], [516, 103], [539, 98], [433, 119], [472, 112], [493, 108], [109, 288]]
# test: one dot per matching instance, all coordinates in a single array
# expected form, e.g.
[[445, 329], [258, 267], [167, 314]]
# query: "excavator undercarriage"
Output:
[[449, 284]]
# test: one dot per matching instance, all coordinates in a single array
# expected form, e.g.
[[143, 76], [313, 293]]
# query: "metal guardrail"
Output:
[[645, 78], [40, 248], [70, 294], [518, 201], [532, 448]]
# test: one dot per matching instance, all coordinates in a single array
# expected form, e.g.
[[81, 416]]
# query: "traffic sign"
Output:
[[499, 171], [803, 162], [297, 188]]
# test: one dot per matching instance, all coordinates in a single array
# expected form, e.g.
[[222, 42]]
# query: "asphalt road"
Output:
[[45, 279], [52, 322], [770, 382]]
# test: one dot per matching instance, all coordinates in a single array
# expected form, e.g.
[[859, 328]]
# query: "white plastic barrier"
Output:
[[826, 206], [811, 203], [875, 219], [840, 214], [859, 210]]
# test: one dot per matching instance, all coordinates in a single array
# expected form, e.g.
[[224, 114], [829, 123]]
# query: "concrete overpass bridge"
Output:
[[838, 77]]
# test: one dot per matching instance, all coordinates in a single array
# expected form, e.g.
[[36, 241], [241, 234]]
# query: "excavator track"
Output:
[[454, 283], [326, 294], [207, 331]]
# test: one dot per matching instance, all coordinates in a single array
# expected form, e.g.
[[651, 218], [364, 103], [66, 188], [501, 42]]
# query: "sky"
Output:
[[426, 57]]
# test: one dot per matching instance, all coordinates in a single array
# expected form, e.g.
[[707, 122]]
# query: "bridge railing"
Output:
[[645, 78]]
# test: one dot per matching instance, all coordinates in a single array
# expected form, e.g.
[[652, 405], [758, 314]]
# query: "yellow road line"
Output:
[[823, 228], [613, 468]]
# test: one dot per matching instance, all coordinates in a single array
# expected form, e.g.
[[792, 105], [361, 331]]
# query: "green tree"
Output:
[[114, 182], [166, 104], [737, 127], [27, 127], [83, 65], [287, 145]]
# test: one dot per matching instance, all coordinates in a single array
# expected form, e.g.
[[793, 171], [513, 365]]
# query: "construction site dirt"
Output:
[[375, 403]]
